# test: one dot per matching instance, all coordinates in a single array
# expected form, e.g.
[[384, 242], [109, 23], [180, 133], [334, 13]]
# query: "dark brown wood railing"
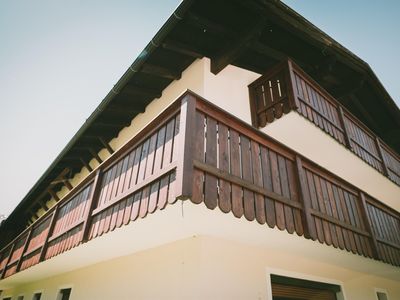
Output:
[[137, 180], [287, 87], [244, 172], [196, 151]]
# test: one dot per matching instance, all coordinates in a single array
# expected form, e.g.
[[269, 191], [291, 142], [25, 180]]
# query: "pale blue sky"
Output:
[[58, 59]]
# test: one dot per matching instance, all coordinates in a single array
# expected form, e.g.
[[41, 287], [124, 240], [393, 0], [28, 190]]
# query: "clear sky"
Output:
[[58, 60]]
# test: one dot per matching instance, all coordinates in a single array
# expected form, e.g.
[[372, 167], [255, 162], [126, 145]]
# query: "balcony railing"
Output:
[[196, 151], [286, 87]]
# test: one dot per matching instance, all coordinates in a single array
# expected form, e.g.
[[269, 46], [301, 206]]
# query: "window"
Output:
[[381, 296], [293, 288], [64, 294], [37, 296]]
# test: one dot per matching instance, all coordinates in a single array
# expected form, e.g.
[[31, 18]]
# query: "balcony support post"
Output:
[[28, 238], [368, 225], [307, 217], [344, 127], [49, 233], [186, 131], [94, 194], [291, 87], [3, 273], [381, 156]]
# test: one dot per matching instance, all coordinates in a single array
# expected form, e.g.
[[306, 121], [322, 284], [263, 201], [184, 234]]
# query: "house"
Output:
[[244, 154]]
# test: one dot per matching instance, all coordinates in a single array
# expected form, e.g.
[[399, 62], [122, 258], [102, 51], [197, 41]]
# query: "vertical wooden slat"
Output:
[[257, 180], [368, 225], [198, 154], [94, 195], [289, 220], [49, 233], [237, 199], [210, 190], [309, 231], [248, 196], [224, 202], [276, 186], [267, 184]]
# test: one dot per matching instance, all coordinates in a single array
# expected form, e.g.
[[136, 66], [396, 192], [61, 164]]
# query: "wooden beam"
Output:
[[381, 156], [86, 164], [368, 225], [324, 67], [233, 50], [106, 145], [268, 51], [345, 90], [160, 71], [94, 194], [7, 261], [208, 25], [49, 233], [185, 145], [53, 194], [110, 124], [181, 48], [131, 89], [68, 184], [20, 260], [308, 221], [43, 205], [95, 155], [124, 109]]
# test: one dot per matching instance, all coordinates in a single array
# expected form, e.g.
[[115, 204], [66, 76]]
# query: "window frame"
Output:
[[64, 287], [382, 291], [303, 276]]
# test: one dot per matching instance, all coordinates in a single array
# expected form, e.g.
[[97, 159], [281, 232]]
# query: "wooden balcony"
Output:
[[287, 87], [196, 151]]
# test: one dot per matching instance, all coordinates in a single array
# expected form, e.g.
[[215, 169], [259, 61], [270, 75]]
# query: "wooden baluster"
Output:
[[49, 233], [310, 231], [24, 249], [185, 152], [7, 261], [368, 225], [381, 156], [344, 127], [291, 87], [94, 195]]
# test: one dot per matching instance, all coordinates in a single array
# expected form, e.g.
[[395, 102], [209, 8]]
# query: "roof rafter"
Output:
[[233, 51]]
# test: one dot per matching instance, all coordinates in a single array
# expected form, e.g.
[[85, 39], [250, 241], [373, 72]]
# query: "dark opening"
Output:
[[37, 296], [65, 294], [287, 288]]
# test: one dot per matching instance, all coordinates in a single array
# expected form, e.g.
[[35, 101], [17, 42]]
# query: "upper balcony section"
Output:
[[287, 87]]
